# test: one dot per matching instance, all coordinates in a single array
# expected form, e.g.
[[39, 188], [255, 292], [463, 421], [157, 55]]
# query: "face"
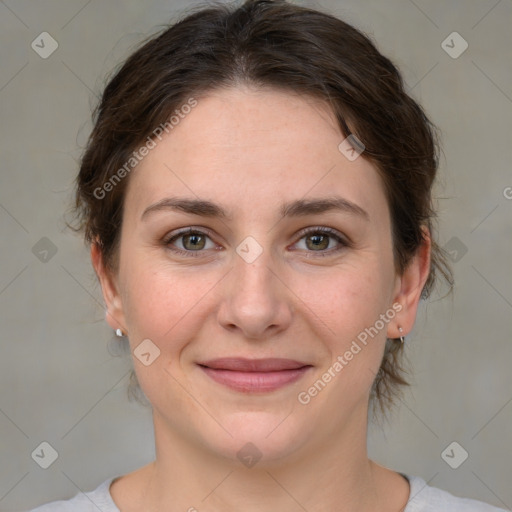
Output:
[[248, 234]]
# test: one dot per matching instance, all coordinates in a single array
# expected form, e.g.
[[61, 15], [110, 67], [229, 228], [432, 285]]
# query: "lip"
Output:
[[254, 375], [242, 364]]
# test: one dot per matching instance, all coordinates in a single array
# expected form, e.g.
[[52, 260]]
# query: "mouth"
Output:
[[254, 375]]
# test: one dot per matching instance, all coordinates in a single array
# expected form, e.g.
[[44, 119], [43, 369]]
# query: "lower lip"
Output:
[[255, 382]]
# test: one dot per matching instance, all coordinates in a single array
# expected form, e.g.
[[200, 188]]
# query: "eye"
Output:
[[191, 240], [322, 240]]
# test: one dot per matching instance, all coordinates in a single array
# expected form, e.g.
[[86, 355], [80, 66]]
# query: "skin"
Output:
[[250, 150]]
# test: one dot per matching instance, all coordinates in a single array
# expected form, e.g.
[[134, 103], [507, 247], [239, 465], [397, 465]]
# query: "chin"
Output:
[[259, 438]]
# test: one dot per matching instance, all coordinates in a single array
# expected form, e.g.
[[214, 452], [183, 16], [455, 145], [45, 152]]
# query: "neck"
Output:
[[331, 473]]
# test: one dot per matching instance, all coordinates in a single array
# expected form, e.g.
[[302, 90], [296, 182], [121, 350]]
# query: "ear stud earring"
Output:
[[119, 333], [402, 339]]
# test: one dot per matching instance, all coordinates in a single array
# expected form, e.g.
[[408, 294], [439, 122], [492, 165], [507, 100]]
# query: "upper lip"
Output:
[[253, 365]]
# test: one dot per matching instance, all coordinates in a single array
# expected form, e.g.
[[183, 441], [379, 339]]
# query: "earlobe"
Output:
[[113, 303], [410, 286]]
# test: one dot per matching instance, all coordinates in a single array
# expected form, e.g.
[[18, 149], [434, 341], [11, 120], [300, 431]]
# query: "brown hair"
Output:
[[274, 44]]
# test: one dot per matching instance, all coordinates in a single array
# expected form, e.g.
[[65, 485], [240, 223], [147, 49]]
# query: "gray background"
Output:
[[61, 379]]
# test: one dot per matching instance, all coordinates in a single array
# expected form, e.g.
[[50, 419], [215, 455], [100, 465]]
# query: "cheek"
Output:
[[348, 302], [346, 306], [347, 298], [164, 306], [160, 301]]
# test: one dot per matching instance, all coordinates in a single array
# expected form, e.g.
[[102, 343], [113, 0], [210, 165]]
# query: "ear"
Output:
[[409, 287], [114, 314]]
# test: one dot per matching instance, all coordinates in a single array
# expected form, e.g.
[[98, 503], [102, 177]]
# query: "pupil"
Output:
[[318, 239], [194, 240]]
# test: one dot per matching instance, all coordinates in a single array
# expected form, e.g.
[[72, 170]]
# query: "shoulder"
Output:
[[424, 498], [99, 499]]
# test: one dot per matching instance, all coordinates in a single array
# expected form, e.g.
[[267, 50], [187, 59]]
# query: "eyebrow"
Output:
[[297, 208]]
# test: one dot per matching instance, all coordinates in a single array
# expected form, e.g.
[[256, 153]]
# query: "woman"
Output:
[[257, 195]]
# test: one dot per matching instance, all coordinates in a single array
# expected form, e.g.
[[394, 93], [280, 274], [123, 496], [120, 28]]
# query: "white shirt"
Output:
[[422, 498]]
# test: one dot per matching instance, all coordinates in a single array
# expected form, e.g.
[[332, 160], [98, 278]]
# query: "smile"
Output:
[[254, 375]]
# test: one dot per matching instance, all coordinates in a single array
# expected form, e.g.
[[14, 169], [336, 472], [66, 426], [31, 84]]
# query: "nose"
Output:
[[255, 301]]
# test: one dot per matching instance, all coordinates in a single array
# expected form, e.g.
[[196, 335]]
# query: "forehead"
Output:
[[244, 147]]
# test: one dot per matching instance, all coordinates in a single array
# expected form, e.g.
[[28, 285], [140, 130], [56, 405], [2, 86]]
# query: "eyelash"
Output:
[[314, 230]]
